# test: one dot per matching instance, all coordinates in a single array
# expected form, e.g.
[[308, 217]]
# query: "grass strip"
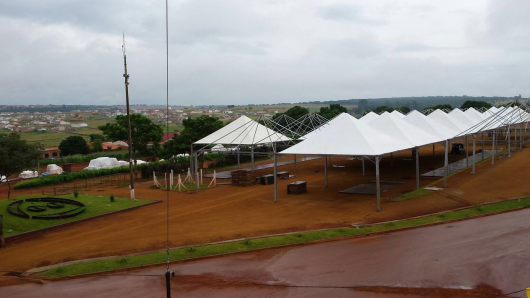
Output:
[[274, 241], [94, 205]]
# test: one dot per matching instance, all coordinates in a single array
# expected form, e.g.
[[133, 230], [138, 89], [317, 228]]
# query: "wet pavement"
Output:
[[474, 258]]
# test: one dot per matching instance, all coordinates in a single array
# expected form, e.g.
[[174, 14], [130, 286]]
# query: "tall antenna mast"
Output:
[[168, 275], [126, 76]]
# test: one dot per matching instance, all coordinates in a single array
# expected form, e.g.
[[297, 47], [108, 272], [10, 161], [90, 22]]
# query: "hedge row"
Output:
[[68, 177], [84, 158]]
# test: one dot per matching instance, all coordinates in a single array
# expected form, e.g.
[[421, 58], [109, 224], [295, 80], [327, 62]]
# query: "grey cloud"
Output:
[[345, 13]]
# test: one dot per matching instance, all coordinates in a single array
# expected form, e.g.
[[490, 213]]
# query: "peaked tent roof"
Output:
[[475, 115], [346, 136], [243, 131], [462, 117], [443, 119], [368, 117], [399, 128], [427, 124], [397, 113]]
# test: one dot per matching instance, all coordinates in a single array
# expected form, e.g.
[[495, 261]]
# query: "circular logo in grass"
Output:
[[46, 208]]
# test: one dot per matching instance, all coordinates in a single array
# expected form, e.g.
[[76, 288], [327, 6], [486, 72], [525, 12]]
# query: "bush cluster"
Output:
[[68, 177], [84, 158]]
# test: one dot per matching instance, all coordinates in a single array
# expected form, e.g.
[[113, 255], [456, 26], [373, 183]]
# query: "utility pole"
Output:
[[126, 76]]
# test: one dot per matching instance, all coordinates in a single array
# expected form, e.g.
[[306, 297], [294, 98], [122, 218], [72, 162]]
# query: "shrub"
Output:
[[68, 177], [247, 242], [76, 194], [112, 198]]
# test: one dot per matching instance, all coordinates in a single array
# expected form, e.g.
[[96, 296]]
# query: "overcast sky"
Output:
[[249, 52]]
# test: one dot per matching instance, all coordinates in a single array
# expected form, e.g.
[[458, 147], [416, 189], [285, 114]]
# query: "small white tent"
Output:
[[28, 174], [103, 163], [54, 169]]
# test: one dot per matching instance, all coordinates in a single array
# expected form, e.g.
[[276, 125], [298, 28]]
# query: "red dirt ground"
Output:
[[228, 212]]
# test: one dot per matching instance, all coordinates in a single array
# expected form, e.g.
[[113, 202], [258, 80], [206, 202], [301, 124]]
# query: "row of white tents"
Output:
[[372, 136]]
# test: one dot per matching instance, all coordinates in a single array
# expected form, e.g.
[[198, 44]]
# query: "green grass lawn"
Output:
[[273, 241], [95, 205]]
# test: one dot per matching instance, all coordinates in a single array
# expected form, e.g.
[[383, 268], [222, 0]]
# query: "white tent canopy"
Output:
[[450, 122], [243, 131], [398, 128], [417, 119], [462, 117], [368, 117], [475, 115], [344, 135], [397, 113]]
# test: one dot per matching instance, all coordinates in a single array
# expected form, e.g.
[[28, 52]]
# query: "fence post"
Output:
[[54, 191]]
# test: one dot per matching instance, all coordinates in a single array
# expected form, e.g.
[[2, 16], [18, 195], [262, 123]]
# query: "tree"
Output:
[[94, 136], [194, 130], [404, 110], [476, 104], [332, 111], [16, 155], [73, 145], [97, 145], [294, 112], [143, 133], [382, 109], [441, 107]]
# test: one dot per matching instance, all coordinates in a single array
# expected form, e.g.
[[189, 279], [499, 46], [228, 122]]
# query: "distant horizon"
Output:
[[282, 103]]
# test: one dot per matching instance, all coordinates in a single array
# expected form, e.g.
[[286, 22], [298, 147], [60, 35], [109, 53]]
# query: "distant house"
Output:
[[169, 136], [52, 152], [113, 146], [79, 125]]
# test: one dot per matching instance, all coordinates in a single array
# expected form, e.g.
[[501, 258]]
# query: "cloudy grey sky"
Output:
[[243, 52]]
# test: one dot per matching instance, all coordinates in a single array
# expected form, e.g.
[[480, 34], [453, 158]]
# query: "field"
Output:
[[95, 205]]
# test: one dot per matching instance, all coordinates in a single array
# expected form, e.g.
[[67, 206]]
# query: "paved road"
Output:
[[489, 254]]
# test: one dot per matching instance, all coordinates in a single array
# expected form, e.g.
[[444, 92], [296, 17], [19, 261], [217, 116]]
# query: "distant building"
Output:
[[52, 152]]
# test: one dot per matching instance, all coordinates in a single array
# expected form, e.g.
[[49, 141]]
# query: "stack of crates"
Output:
[[243, 178]]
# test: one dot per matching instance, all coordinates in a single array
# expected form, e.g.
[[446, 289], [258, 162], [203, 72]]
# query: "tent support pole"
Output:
[[521, 137], [515, 135], [467, 153], [238, 159], [482, 145], [509, 142], [433, 149], [192, 162], [275, 179], [197, 172], [493, 150], [474, 161], [295, 163], [446, 163], [363, 165], [417, 167], [252, 156], [326, 170], [392, 159], [377, 184]]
